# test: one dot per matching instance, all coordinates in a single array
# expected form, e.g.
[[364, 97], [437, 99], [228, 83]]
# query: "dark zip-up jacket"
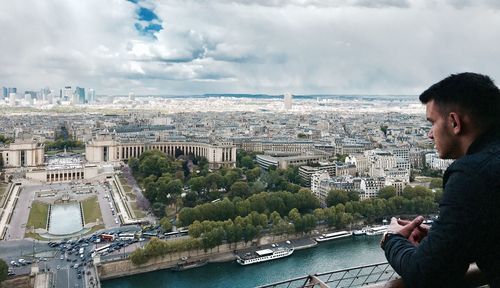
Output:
[[468, 228]]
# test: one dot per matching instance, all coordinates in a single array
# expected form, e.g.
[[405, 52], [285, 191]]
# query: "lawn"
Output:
[[138, 212], [3, 191], [91, 209], [38, 215]]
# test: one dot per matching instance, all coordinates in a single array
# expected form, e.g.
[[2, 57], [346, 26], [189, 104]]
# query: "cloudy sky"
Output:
[[264, 46]]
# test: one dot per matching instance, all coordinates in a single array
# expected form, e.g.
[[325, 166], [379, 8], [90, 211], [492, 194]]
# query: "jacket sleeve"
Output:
[[443, 257]]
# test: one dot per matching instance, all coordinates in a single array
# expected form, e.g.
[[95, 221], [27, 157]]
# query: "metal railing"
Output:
[[350, 277]]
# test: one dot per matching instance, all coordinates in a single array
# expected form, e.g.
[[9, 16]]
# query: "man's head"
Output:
[[461, 107]]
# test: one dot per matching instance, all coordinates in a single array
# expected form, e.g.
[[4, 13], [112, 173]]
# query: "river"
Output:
[[333, 255]]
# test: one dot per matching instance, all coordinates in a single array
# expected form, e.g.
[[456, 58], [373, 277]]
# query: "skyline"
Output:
[[264, 47]]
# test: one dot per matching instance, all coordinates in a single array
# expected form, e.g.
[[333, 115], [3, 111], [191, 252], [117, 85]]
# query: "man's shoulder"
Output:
[[485, 159]]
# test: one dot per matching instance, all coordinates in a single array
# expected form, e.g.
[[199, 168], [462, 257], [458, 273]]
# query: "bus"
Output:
[[183, 231], [126, 236], [149, 234], [102, 249], [107, 237]]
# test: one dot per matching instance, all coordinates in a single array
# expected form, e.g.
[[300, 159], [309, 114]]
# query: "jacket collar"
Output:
[[490, 136]]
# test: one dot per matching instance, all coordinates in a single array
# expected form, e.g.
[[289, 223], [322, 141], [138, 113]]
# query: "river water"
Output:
[[329, 256]]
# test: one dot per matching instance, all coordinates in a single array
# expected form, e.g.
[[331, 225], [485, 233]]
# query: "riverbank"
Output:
[[327, 256], [223, 253]]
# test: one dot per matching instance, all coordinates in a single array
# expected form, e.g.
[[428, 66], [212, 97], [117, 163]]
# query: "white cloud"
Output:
[[344, 46]]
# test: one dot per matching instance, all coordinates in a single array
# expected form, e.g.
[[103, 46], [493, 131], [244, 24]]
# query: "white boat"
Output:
[[377, 230], [264, 255], [333, 236], [360, 232]]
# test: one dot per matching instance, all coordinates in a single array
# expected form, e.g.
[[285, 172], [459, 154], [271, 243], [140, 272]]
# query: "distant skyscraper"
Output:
[[131, 96], [91, 96], [5, 92], [288, 100], [12, 99], [79, 95], [67, 94], [13, 90]]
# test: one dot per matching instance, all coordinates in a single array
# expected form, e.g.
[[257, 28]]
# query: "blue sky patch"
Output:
[[148, 23]]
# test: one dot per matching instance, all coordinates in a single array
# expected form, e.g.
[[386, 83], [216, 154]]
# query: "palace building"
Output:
[[107, 148]]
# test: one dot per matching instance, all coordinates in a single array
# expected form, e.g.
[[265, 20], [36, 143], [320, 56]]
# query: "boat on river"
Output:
[[264, 255], [333, 236], [360, 232], [377, 230], [181, 266]]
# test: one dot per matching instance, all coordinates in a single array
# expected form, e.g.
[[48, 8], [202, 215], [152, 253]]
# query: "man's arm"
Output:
[[443, 256]]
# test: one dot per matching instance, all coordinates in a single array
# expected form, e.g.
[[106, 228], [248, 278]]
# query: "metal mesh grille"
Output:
[[351, 277]]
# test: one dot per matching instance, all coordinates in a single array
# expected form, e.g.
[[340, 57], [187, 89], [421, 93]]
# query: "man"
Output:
[[464, 111]]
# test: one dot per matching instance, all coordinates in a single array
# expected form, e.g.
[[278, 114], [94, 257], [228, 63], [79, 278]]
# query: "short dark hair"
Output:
[[471, 93]]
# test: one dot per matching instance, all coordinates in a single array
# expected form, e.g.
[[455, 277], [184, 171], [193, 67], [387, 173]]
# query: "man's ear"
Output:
[[455, 122]]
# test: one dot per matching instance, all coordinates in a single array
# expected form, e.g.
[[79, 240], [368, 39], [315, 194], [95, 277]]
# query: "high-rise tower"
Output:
[[288, 100]]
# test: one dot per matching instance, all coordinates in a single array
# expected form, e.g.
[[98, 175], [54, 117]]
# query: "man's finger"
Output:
[[416, 222], [403, 222], [394, 220]]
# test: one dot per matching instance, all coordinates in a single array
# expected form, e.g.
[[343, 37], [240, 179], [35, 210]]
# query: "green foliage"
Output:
[[165, 224], [197, 184], [264, 202], [436, 183], [387, 192], [341, 158], [159, 209], [4, 269], [252, 174], [247, 162], [157, 248], [383, 128], [240, 189], [336, 196], [5, 140], [417, 191], [60, 144], [133, 163]]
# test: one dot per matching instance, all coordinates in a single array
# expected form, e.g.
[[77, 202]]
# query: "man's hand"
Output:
[[418, 234], [411, 230]]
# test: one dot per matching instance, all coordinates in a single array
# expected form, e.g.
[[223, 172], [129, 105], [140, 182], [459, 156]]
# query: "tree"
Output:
[[197, 184], [4, 270], [257, 187], [436, 183], [165, 224], [387, 192], [383, 128], [240, 189], [214, 181], [246, 162], [159, 209], [335, 197], [252, 174], [230, 178], [353, 195]]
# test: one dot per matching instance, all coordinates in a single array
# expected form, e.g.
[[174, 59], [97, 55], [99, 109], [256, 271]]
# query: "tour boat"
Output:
[[333, 236], [360, 232], [264, 255], [377, 230]]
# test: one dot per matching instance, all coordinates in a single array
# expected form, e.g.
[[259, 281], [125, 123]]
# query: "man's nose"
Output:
[[430, 135]]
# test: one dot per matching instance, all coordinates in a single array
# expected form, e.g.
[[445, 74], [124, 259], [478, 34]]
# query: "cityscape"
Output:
[[62, 160], [231, 143]]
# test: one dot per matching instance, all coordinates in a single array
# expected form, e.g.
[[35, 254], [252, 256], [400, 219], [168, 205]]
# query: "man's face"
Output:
[[441, 132]]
